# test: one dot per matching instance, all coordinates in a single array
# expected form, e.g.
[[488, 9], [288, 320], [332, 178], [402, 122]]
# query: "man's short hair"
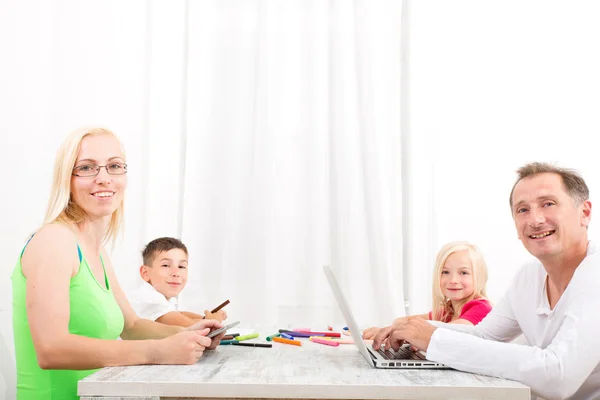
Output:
[[574, 183], [161, 245]]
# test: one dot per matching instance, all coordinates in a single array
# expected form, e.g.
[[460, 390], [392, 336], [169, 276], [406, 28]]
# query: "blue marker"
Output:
[[286, 336]]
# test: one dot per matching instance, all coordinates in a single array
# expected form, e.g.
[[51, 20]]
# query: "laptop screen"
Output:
[[348, 317]]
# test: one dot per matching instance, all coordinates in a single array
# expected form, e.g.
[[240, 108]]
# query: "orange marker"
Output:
[[287, 341]]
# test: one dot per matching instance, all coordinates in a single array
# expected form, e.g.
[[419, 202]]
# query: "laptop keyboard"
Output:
[[403, 353]]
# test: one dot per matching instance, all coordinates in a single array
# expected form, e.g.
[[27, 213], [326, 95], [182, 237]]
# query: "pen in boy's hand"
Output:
[[223, 304]]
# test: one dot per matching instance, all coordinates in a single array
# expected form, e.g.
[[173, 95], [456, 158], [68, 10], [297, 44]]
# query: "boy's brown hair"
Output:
[[161, 245]]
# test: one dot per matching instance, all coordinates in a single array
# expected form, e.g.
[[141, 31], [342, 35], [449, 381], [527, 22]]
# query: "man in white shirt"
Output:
[[554, 302]]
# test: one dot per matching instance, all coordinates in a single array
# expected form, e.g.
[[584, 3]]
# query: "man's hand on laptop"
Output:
[[415, 331], [371, 332]]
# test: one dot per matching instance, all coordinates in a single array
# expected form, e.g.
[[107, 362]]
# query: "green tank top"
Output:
[[94, 313]]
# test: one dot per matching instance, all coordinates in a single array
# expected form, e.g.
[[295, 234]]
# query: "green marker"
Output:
[[269, 338], [246, 337]]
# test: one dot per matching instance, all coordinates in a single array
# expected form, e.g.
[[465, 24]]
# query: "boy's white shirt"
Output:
[[148, 303], [562, 358]]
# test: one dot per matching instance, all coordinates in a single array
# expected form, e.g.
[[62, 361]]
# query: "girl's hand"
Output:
[[370, 333]]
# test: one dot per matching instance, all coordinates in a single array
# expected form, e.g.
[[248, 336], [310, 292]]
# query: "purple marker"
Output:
[[303, 334]]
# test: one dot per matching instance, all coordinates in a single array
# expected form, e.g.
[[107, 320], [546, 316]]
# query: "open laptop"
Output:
[[403, 358]]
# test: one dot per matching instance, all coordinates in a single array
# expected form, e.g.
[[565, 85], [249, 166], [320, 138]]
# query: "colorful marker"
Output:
[[252, 344], [230, 336], [305, 330], [299, 334], [350, 341], [344, 341], [329, 327], [333, 343], [246, 337], [286, 336], [217, 308], [287, 341], [329, 334], [269, 338]]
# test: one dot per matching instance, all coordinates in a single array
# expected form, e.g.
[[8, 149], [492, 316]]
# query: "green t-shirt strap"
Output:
[[26, 243]]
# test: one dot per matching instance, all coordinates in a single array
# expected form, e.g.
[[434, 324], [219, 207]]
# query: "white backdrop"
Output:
[[293, 137], [303, 168], [485, 88], [491, 86]]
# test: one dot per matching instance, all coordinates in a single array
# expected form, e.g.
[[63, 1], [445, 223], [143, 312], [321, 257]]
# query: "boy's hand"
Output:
[[213, 324], [220, 315]]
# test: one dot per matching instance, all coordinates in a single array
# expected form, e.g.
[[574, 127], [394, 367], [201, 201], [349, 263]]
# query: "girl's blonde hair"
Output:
[[442, 307], [61, 207]]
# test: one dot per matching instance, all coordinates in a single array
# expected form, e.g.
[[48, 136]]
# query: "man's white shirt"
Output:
[[562, 358], [150, 304]]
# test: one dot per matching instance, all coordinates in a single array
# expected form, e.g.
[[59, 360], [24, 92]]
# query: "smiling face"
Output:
[[549, 222], [456, 281], [98, 196], [168, 272]]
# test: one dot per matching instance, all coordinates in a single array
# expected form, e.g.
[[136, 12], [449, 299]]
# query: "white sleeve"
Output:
[[150, 304], [555, 372]]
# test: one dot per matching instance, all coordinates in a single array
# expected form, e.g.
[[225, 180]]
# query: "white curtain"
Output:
[[266, 134], [292, 153]]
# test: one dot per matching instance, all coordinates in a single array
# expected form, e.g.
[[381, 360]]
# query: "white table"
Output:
[[313, 371]]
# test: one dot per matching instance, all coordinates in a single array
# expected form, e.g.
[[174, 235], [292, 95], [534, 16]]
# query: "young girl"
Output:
[[459, 281]]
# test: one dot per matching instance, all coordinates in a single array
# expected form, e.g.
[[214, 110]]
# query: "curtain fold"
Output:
[[293, 159]]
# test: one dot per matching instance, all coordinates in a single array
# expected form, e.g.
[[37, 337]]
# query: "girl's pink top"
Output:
[[474, 311]]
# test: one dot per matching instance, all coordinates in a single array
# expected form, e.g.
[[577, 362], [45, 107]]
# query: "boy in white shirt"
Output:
[[165, 272]]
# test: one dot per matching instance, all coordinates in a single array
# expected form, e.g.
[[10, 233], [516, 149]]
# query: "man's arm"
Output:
[[555, 372]]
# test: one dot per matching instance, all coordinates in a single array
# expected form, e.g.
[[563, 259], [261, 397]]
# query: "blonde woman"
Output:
[[68, 307], [459, 281]]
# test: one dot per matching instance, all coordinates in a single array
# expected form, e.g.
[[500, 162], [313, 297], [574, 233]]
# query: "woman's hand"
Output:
[[213, 324], [182, 348]]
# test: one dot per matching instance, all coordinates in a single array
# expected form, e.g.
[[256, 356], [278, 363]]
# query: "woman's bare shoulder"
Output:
[[51, 241]]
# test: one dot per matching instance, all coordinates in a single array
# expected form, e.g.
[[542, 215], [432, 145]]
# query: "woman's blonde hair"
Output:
[[61, 207], [442, 307]]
